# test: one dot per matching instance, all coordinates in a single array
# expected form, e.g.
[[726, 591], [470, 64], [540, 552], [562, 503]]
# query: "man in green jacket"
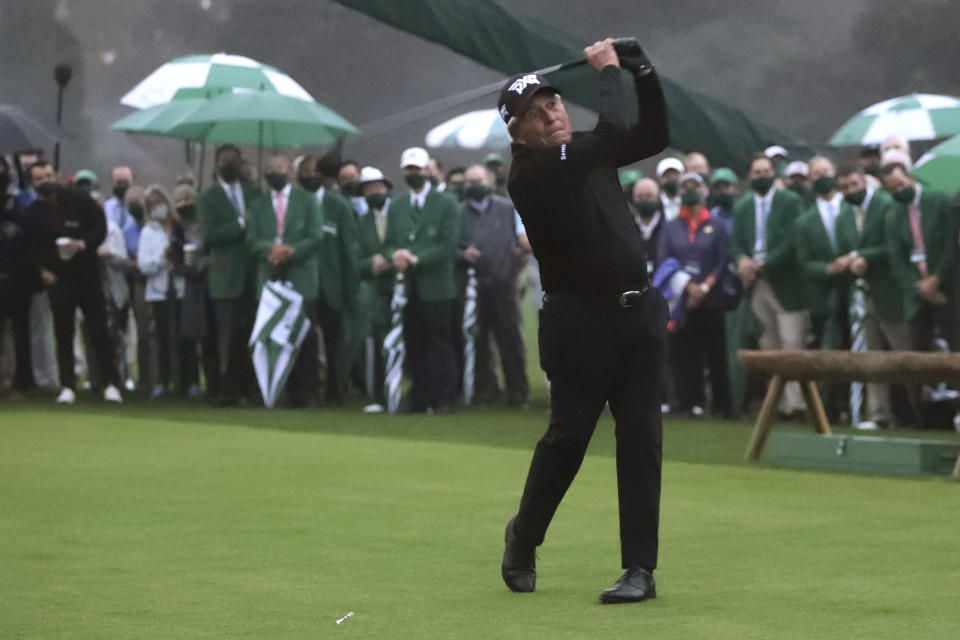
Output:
[[337, 263], [764, 224], [919, 237], [222, 217], [862, 246], [426, 258], [283, 235]]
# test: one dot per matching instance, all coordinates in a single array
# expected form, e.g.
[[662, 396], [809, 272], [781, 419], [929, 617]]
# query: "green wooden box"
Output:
[[868, 454]]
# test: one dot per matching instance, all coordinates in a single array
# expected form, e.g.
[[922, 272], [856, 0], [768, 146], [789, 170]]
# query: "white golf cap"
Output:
[[690, 175], [669, 163], [414, 157], [774, 151], [372, 174], [797, 168], [896, 156]]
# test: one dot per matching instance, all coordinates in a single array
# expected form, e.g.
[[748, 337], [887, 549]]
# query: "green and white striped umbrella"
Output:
[[203, 76], [473, 130], [278, 332], [394, 348], [939, 167], [918, 116], [470, 336]]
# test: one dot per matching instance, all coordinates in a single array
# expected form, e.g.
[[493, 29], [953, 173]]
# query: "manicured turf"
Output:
[[176, 521]]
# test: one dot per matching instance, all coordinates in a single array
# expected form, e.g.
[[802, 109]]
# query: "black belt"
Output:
[[623, 299]]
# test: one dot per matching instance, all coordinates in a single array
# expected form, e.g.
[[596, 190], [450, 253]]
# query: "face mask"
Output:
[[690, 197], [857, 198], [824, 185], [137, 212], [160, 212], [351, 189], [460, 191], [762, 185], [670, 188], [779, 166], [277, 181], [415, 180], [187, 211], [230, 172], [647, 209], [476, 192], [311, 184], [120, 190], [798, 188], [723, 200], [85, 185], [377, 200], [905, 196]]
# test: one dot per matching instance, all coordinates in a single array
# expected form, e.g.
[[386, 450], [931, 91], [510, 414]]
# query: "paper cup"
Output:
[[191, 253], [62, 248]]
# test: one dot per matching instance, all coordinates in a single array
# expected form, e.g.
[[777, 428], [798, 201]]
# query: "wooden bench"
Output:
[[810, 367]]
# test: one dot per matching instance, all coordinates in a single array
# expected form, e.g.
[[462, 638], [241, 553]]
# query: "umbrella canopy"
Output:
[[918, 116], [158, 120], [473, 130], [278, 332], [940, 167], [19, 132], [205, 75], [260, 118]]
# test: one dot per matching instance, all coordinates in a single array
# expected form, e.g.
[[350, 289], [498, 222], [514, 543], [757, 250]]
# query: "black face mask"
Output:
[[857, 198], [905, 195], [476, 192], [762, 185], [798, 188], [136, 211], [647, 209], [824, 185], [377, 200], [187, 211], [670, 188], [277, 181], [311, 184], [230, 173], [120, 190], [415, 180], [690, 197], [723, 200]]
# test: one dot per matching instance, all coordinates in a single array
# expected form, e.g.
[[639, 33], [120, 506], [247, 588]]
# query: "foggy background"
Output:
[[803, 66]]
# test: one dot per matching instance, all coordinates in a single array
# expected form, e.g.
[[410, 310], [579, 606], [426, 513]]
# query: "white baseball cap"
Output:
[[690, 175], [414, 157], [669, 163], [372, 174], [896, 156], [797, 168], [774, 151]]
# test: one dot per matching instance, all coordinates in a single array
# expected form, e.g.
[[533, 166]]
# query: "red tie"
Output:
[[281, 212], [918, 248]]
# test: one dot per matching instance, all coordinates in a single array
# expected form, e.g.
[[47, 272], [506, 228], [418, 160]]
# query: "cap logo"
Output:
[[520, 84], [504, 112]]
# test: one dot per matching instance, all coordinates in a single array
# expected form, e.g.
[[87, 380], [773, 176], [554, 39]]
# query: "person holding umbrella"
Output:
[[283, 234]]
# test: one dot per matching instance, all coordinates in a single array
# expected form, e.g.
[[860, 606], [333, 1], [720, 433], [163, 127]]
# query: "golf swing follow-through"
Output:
[[603, 326]]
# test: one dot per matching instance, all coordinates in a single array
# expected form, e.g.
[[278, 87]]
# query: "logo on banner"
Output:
[[520, 84]]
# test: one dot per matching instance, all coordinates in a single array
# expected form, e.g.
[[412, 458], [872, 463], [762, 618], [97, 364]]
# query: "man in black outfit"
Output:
[[603, 327]]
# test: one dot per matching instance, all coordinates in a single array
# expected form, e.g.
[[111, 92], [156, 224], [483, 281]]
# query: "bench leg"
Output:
[[762, 428], [812, 395]]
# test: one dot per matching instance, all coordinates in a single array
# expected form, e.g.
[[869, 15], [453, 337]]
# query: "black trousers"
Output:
[[234, 324], [594, 353], [498, 317], [430, 360], [305, 376], [926, 322], [65, 299], [15, 305], [703, 337], [331, 322]]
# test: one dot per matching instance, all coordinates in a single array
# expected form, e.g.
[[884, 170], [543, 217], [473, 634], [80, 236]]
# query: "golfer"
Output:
[[603, 325]]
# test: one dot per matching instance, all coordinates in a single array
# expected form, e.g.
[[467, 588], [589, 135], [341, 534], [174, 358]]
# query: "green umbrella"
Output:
[[160, 119], [261, 118], [918, 116], [940, 166]]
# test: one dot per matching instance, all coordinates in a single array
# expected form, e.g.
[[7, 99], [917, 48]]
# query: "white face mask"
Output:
[[160, 212]]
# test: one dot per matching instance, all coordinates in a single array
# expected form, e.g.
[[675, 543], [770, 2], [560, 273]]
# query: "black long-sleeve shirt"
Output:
[[74, 215], [570, 199]]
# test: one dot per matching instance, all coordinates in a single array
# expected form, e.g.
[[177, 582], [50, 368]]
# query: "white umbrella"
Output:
[[470, 336], [394, 348], [473, 130], [279, 330], [918, 116], [204, 76]]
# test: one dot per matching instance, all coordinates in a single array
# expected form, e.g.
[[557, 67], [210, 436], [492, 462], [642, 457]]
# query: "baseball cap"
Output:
[[85, 174], [492, 158], [518, 91], [690, 175], [723, 174], [797, 168], [630, 176], [669, 163], [414, 157], [774, 151], [372, 174]]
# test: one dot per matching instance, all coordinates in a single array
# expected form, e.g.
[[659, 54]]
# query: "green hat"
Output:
[[723, 174], [629, 176], [85, 174], [493, 158]]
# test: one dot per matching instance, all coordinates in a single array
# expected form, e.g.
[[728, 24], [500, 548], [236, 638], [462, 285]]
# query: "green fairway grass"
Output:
[[171, 520]]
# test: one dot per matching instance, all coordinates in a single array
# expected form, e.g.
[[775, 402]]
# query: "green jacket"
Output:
[[825, 293], [430, 235], [370, 245], [870, 244], [302, 231], [781, 266], [231, 266], [937, 225], [339, 249]]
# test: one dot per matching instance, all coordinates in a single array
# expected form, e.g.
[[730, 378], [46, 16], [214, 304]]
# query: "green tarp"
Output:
[[511, 43]]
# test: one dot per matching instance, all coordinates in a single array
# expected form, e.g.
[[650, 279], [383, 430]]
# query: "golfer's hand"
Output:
[[48, 277], [379, 264], [601, 54]]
